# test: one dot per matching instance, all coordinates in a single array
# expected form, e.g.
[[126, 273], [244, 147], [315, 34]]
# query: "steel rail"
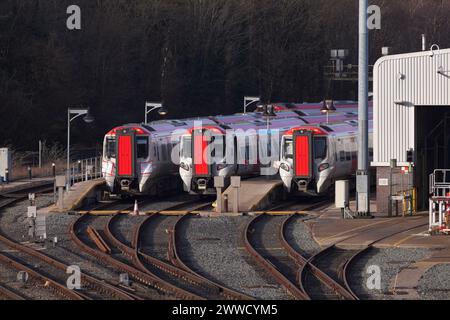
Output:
[[9, 294], [92, 282], [46, 282], [304, 264], [176, 260], [140, 276], [360, 252], [138, 257], [11, 197], [295, 291]]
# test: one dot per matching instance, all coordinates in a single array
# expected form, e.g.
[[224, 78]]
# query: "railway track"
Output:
[[11, 197], [8, 294], [334, 263], [49, 272], [322, 275], [264, 239], [161, 260], [175, 258], [262, 242], [359, 253], [127, 259], [308, 273]]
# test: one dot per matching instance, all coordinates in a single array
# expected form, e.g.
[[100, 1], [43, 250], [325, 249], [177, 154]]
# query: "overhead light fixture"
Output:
[[259, 107], [162, 111], [330, 106], [269, 111], [88, 118], [324, 108]]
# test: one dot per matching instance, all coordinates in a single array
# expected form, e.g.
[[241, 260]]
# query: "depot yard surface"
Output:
[[412, 265]]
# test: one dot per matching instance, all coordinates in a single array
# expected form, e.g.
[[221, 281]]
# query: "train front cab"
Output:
[[305, 163], [198, 163], [126, 150]]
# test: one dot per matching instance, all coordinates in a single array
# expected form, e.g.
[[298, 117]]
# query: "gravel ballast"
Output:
[[213, 247], [299, 236], [391, 261], [435, 283]]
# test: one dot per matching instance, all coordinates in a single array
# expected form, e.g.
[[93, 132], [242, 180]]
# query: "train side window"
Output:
[[348, 156], [169, 150], [187, 147], [164, 152], [342, 156], [110, 147], [142, 147]]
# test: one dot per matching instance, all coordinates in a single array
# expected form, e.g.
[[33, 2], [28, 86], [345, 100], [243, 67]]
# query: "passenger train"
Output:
[[144, 158], [248, 148], [313, 157], [137, 158], [149, 159]]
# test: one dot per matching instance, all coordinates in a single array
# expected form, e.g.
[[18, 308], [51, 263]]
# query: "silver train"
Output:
[[151, 158], [313, 157], [248, 149]]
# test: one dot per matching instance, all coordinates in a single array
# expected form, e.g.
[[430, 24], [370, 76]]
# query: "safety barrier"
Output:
[[85, 169], [440, 201]]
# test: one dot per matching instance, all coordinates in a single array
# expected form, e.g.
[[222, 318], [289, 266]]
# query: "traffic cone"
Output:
[[135, 211]]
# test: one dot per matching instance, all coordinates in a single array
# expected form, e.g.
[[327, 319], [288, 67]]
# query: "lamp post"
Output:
[[72, 114], [362, 183], [328, 107], [268, 113], [249, 101], [150, 106]]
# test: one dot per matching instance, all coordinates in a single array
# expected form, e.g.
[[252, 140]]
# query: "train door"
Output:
[[286, 161], [186, 161], [126, 153]]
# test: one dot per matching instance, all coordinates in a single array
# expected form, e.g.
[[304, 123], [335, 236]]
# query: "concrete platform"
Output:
[[330, 229], [78, 194], [255, 194], [17, 186]]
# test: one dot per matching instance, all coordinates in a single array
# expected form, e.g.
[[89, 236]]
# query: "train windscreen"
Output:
[[320, 147], [110, 147], [186, 151], [288, 149]]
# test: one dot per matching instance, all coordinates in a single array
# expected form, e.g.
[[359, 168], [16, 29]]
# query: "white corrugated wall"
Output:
[[413, 80]]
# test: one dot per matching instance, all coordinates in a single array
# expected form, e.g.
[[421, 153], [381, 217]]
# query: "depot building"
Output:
[[411, 124]]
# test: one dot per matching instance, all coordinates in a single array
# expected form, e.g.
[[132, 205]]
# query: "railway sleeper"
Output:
[[151, 281]]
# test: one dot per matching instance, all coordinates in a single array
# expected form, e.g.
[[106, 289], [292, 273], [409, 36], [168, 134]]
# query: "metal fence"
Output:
[[440, 183], [85, 169]]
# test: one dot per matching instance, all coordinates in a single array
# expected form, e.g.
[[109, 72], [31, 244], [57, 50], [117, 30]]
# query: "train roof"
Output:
[[336, 129], [234, 118]]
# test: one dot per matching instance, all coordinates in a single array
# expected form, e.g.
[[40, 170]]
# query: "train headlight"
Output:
[[323, 166], [285, 167], [184, 166]]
